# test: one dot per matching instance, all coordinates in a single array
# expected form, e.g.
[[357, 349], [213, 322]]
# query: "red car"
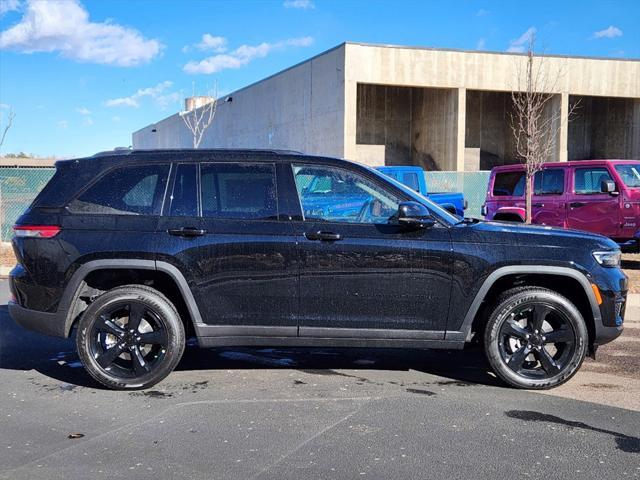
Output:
[[599, 196]]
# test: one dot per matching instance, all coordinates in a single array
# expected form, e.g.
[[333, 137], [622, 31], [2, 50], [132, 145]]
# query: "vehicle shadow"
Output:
[[57, 359]]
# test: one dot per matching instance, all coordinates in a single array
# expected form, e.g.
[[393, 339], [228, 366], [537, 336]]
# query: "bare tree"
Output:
[[535, 122], [200, 117], [10, 116]]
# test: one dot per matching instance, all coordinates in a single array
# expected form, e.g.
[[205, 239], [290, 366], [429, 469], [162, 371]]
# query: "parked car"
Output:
[[137, 250], [413, 177], [599, 196]]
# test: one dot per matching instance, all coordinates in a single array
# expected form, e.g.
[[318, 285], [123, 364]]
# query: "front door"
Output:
[[548, 206], [362, 275], [588, 208], [224, 229]]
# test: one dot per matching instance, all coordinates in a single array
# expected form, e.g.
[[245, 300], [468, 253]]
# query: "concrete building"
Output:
[[441, 109]]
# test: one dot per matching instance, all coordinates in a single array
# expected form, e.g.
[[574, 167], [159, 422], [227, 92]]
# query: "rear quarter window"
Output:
[[508, 184], [130, 190]]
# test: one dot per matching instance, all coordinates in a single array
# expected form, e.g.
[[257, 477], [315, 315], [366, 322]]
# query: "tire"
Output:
[[130, 338], [535, 338]]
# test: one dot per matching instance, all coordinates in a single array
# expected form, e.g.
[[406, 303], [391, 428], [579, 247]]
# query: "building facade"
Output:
[[440, 109]]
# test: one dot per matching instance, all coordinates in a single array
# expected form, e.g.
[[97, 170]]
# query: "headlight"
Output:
[[608, 259]]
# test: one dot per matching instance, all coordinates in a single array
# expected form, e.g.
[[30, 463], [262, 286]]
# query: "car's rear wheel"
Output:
[[535, 338], [130, 337]]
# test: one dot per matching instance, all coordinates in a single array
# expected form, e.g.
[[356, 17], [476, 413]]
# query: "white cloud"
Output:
[[242, 56], [481, 44], [156, 93], [63, 26], [7, 6], [63, 124], [611, 32], [303, 4], [482, 12], [87, 121], [83, 111], [209, 42], [115, 119], [521, 44]]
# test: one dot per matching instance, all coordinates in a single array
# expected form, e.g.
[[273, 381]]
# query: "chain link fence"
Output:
[[472, 184], [18, 187]]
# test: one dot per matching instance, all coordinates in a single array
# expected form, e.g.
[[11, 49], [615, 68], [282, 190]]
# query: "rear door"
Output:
[[588, 208], [548, 206], [236, 246]]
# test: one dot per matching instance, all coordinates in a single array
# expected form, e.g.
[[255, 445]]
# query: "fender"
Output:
[[71, 292], [519, 211], [465, 332]]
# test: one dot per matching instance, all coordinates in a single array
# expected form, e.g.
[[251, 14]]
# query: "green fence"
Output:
[[472, 184], [18, 188]]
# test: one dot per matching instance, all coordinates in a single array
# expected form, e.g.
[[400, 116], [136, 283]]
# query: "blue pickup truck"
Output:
[[413, 177]]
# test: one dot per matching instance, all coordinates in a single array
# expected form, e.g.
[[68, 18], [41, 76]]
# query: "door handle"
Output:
[[577, 204], [323, 236], [538, 205], [186, 232]]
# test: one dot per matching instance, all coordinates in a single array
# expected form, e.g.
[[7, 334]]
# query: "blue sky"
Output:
[[82, 75]]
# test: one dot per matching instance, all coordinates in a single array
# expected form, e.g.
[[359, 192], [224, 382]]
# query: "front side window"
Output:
[[630, 174], [549, 182], [587, 181], [509, 184], [135, 190], [238, 191], [333, 194]]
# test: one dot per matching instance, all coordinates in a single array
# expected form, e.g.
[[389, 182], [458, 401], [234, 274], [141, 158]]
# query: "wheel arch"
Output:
[[166, 277], [561, 279]]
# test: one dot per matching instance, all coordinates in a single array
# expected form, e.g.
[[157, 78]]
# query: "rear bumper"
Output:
[[41, 322]]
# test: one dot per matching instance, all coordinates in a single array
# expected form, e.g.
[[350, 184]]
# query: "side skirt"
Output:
[[249, 341]]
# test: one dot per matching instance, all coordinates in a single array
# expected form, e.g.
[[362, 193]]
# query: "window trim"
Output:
[[108, 171]]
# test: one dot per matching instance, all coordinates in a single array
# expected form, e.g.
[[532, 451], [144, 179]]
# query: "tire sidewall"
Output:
[[168, 317], [501, 314]]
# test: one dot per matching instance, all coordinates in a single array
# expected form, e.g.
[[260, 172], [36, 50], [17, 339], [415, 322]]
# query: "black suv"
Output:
[[137, 250]]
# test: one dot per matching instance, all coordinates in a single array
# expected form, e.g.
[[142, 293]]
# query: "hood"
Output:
[[541, 235]]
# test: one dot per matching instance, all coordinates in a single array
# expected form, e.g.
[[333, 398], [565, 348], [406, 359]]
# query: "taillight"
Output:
[[36, 231]]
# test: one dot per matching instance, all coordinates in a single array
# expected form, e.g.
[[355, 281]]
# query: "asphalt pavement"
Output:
[[301, 413]]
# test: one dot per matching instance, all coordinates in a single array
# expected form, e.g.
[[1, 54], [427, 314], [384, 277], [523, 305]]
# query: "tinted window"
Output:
[[337, 195], [508, 184], [239, 191], [411, 181], [549, 182], [137, 190], [587, 180], [184, 198]]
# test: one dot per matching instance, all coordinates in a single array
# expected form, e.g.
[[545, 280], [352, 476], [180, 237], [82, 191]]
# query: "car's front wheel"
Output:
[[535, 338], [130, 337]]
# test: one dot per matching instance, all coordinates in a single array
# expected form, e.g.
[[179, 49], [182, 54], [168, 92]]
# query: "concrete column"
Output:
[[563, 137], [461, 112]]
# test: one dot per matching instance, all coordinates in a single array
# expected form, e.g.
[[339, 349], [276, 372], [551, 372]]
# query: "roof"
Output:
[[570, 163]]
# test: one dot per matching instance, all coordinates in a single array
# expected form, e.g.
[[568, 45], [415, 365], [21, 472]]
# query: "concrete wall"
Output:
[[604, 127], [300, 108]]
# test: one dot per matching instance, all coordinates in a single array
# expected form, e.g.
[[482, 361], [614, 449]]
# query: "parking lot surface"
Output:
[[313, 413]]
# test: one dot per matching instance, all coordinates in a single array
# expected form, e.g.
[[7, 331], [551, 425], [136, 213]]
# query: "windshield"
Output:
[[434, 208], [630, 174]]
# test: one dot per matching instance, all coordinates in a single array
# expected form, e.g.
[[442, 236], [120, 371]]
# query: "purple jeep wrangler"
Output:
[[599, 196]]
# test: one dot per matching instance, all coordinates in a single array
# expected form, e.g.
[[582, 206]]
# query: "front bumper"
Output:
[[41, 322]]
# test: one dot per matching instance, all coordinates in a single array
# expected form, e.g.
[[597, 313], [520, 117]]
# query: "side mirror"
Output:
[[608, 186], [414, 215]]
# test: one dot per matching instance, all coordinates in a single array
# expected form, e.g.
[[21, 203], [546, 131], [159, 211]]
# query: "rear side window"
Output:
[[508, 184], [411, 181], [587, 181], [135, 190], [549, 182], [239, 191]]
